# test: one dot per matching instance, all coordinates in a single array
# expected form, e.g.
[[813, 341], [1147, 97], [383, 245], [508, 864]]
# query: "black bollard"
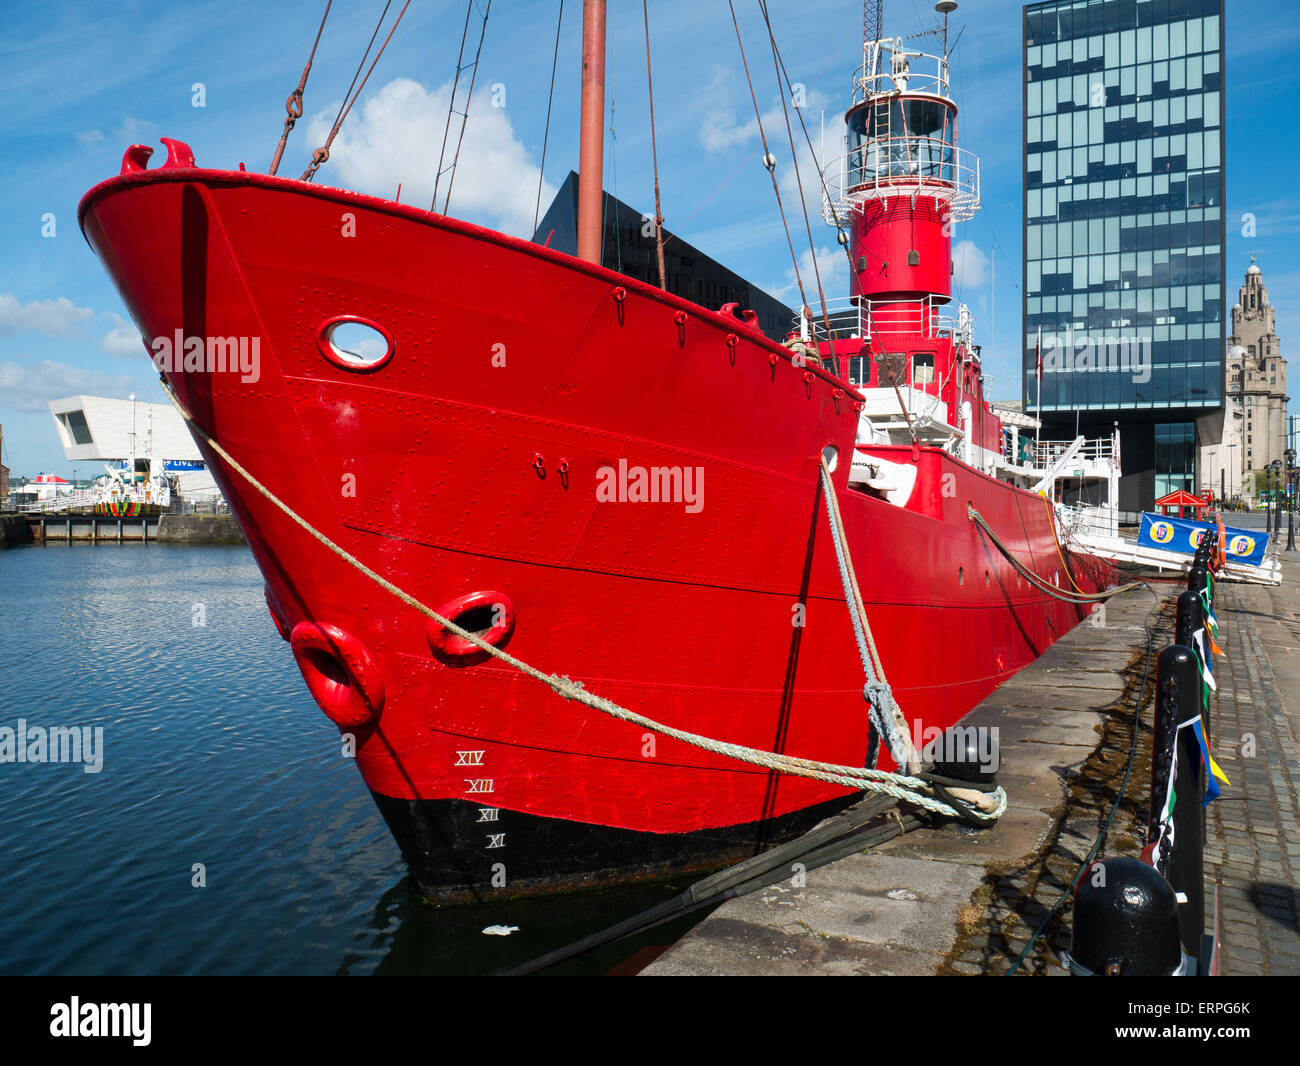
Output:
[[966, 753], [1197, 578], [1190, 617], [1125, 922], [1202, 554], [1181, 836], [965, 759]]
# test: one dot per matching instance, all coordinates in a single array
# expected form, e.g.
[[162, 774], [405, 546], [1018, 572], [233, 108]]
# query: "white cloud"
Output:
[[721, 131], [31, 388], [396, 136], [135, 131], [123, 340], [970, 265], [54, 318], [833, 267], [87, 137]]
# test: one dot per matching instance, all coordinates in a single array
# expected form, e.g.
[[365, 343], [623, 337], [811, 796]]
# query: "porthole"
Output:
[[355, 343]]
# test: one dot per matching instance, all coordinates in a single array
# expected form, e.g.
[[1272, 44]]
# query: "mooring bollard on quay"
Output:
[[1147, 917]]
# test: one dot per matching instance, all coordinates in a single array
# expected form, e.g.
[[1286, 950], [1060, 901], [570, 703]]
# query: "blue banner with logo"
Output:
[[1180, 535], [183, 464]]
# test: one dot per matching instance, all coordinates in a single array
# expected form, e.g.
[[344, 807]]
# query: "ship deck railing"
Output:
[[1094, 457], [888, 323], [902, 166]]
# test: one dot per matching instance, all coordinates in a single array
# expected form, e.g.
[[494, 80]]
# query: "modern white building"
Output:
[[97, 428]]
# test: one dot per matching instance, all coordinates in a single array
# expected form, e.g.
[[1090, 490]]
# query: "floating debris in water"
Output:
[[501, 930]]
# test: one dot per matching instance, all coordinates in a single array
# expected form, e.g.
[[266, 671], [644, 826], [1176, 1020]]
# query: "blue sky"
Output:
[[81, 81]]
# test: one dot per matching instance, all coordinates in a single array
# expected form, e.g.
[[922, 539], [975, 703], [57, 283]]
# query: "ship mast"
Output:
[[591, 146]]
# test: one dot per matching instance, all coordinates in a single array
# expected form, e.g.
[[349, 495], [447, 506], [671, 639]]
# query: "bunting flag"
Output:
[[1216, 649], [1207, 672], [1212, 791], [1209, 614], [1165, 827]]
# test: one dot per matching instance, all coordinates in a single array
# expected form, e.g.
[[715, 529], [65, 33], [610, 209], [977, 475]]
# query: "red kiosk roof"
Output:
[[1180, 498]]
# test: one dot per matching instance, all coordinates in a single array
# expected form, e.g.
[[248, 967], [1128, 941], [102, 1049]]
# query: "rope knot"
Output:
[[879, 694], [566, 686]]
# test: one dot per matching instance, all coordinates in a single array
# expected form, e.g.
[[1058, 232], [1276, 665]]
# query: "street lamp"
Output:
[[1276, 467], [1289, 454], [1232, 465]]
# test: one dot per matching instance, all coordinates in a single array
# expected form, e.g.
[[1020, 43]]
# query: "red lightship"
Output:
[[618, 484]]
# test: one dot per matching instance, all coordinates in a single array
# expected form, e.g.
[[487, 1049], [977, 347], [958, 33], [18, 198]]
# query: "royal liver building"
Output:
[[1256, 376]]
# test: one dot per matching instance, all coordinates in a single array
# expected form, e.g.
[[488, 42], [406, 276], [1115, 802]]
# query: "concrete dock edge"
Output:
[[957, 900]]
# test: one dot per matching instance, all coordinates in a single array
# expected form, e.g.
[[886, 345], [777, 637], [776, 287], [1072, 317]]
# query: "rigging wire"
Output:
[[293, 105], [550, 96], [612, 148], [323, 152], [709, 199], [794, 158], [654, 150], [338, 117], [769, 161], [451, 101], [464, 115]]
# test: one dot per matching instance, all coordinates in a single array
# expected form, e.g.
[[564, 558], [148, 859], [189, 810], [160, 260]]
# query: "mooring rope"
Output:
[[1038, 582], [880, 697], [900, 786]]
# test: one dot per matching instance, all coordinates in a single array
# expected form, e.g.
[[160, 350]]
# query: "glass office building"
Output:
[[1124, 229]]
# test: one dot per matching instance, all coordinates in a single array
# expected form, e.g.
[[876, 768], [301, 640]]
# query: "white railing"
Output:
[[1092, 450], [76, 498], [887, 321], [887, 67], [903, 166], [1076, 519]]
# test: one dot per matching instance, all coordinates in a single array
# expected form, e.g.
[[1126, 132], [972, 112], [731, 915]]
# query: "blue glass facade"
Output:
[[1124, 220]]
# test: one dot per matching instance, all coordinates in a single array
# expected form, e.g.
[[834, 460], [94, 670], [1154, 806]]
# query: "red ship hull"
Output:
[[469, 462]]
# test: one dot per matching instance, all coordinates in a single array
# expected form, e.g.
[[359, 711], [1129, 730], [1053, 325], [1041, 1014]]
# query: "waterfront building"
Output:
[[115, 431], [1124, 230], [1256, 374]]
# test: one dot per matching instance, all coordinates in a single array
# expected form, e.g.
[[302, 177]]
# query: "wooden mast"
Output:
[[591, 151]]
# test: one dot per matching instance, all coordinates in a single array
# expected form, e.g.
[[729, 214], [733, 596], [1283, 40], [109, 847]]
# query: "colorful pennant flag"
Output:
[[1212, 791]]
